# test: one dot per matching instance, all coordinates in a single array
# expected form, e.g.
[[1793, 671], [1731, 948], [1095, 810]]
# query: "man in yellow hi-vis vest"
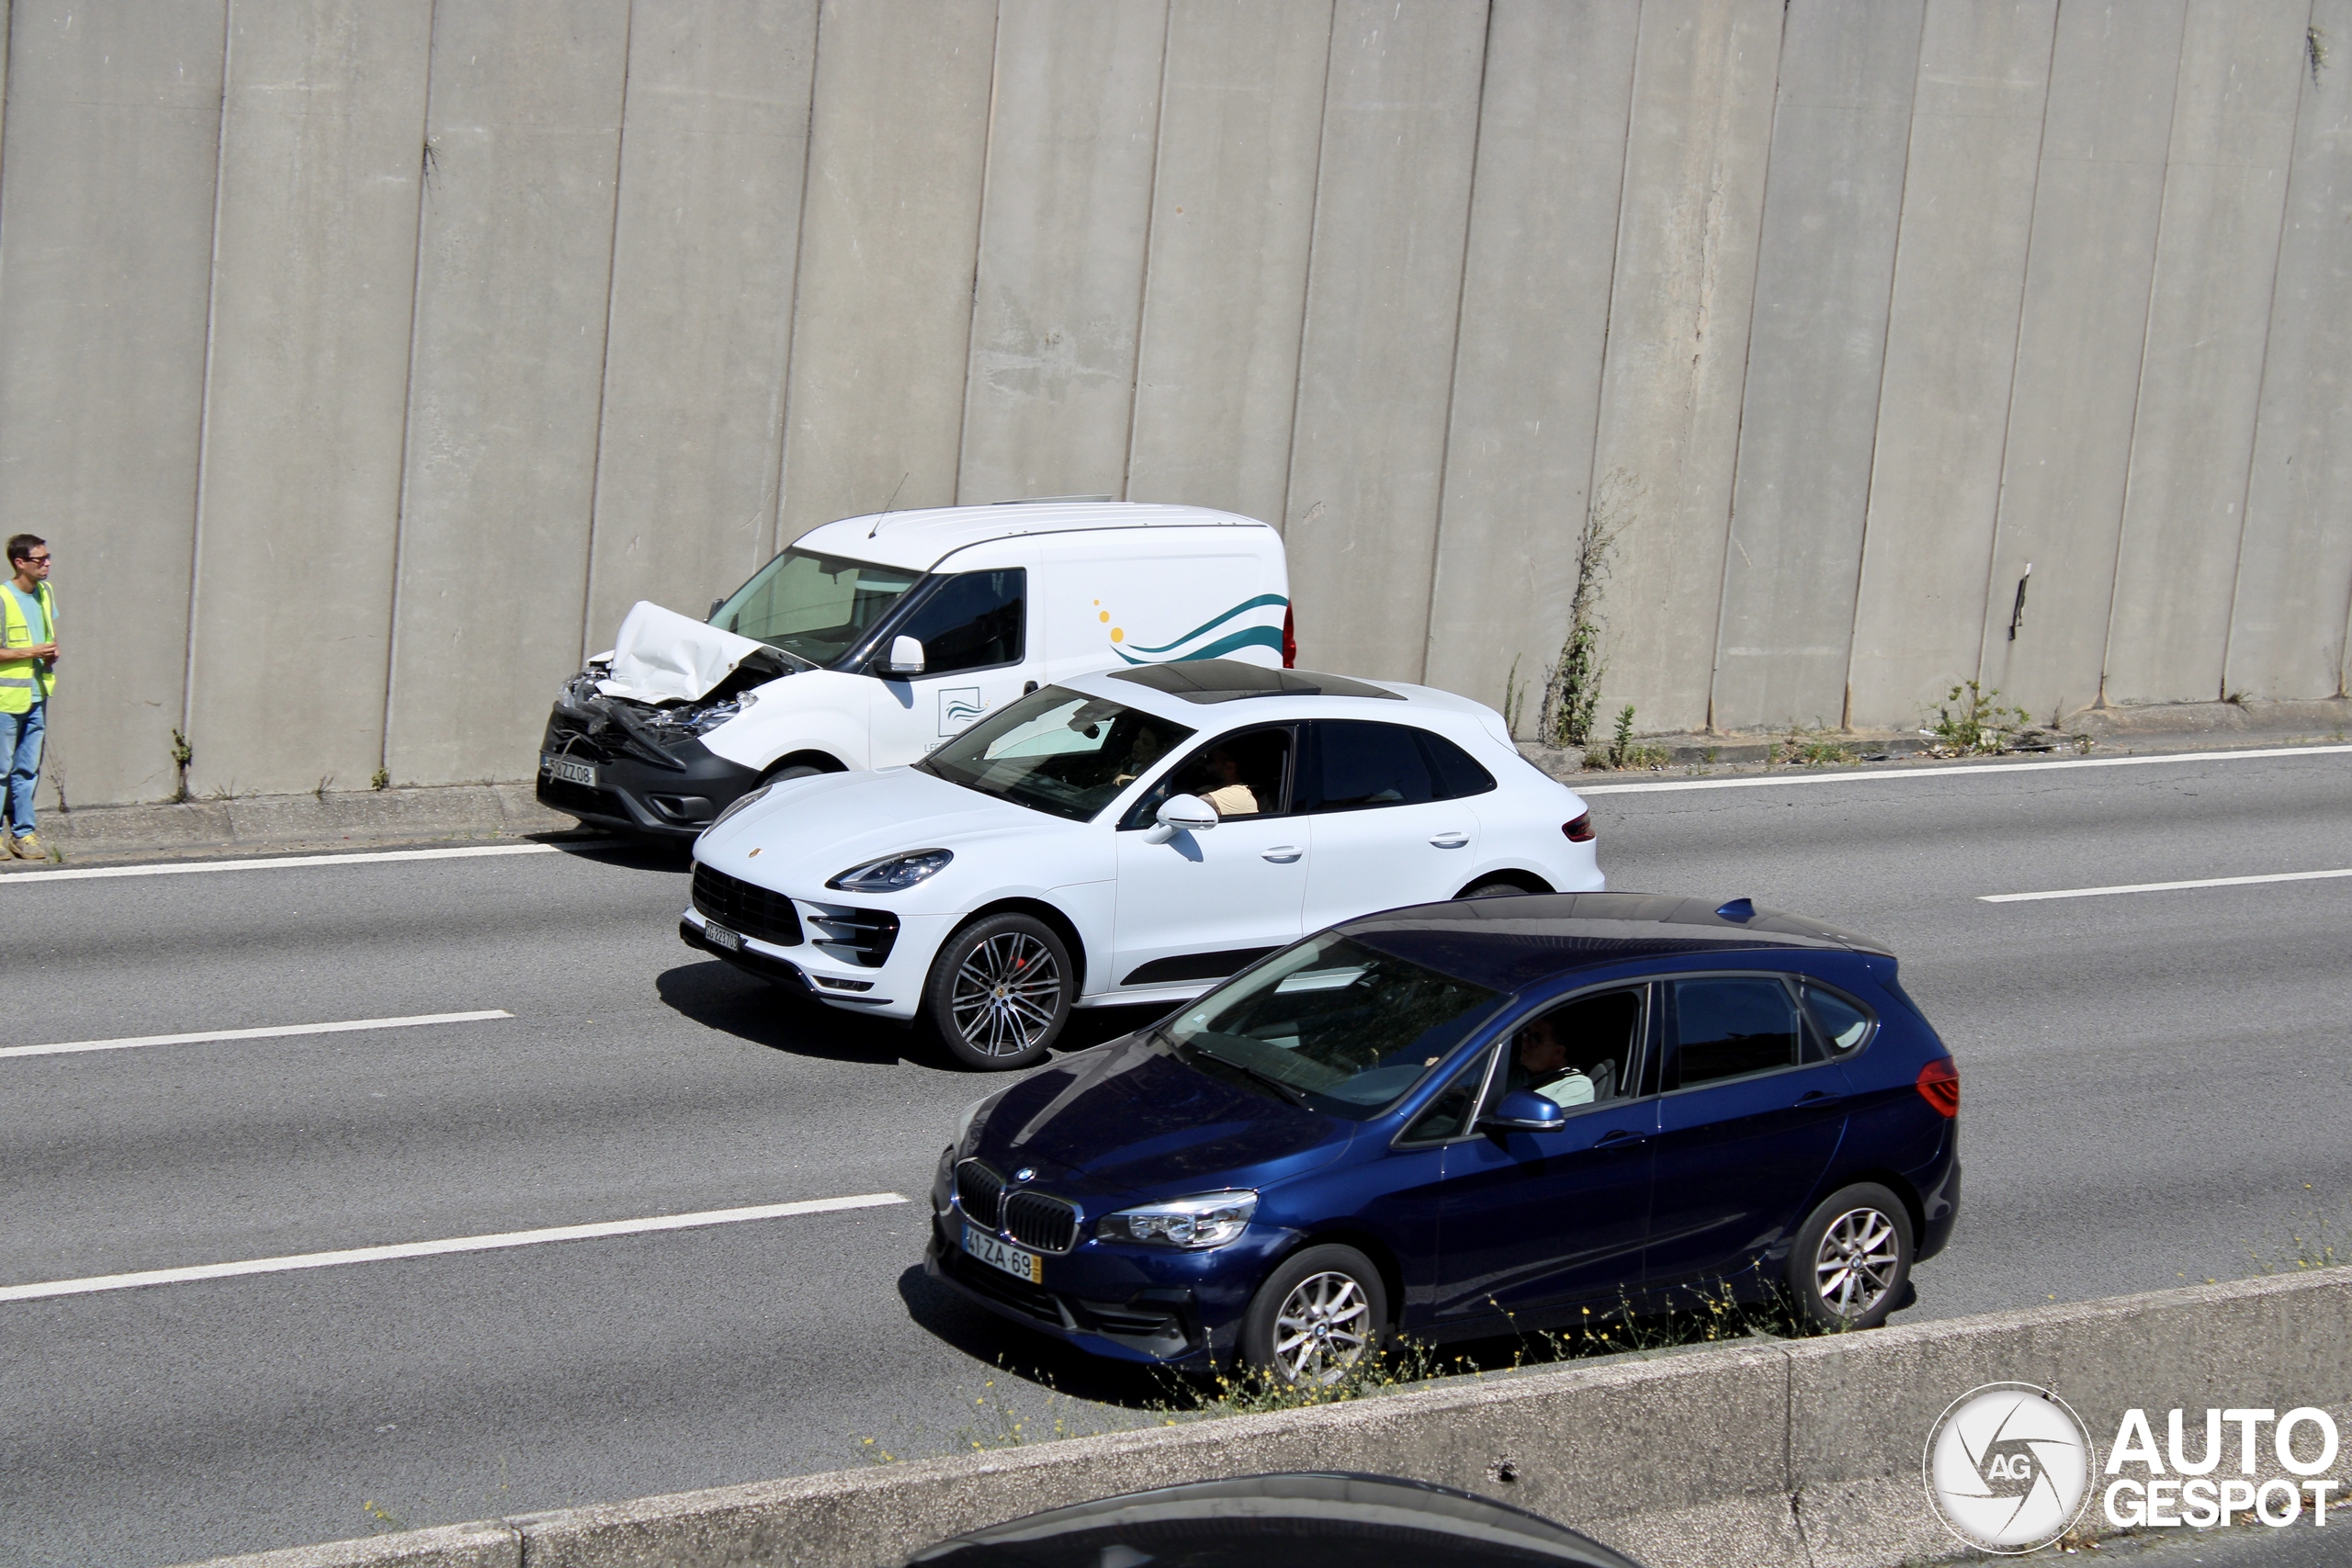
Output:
[[27, 674]]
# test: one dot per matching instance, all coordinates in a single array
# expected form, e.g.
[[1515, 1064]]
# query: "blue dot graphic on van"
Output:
[[1212, 638]]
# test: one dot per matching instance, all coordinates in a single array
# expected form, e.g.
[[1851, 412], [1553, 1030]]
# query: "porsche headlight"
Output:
[[1197, 1224], [892, 874]]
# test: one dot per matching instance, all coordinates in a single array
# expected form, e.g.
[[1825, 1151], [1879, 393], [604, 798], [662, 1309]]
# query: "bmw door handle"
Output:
[[1817, 1097], [1618, 1137], [1281, 855], [1450, 840]]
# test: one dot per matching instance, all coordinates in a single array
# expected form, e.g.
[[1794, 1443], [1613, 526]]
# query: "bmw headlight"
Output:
[[1210, 1219], [892, 874], [740, 801]]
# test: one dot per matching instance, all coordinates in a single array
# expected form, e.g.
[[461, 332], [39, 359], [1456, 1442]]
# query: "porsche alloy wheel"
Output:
[[1000, 992]]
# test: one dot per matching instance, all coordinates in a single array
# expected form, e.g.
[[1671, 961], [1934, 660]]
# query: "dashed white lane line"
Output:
[[441, 1249], [2162, 887], [1968, 771], [129, 1041], [186, 868]]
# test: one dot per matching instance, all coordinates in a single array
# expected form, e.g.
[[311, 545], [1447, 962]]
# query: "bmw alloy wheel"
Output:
[[1321, 1329], [1857, 1263], [1007, 994]]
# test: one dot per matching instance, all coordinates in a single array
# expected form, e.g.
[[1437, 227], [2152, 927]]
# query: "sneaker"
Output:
[[28, 846]]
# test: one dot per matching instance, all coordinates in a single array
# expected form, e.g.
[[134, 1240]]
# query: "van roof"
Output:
[[921, 539]]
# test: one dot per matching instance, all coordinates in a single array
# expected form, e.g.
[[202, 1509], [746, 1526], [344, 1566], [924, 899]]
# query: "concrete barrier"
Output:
[[1802, 1453]]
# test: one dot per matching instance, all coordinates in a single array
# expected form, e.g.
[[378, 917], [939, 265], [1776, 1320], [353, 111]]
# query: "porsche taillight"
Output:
[[1580, 830]]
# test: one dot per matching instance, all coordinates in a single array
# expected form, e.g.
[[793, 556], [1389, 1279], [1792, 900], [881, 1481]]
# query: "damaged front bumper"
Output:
[[633, 768]]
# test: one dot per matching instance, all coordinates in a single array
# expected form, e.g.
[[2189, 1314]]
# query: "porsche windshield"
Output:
[[1055, 750], [814, 607], [1347, 1029]]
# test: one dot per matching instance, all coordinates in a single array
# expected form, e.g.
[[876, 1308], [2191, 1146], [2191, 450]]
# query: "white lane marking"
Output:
[[2162, 887], [439, 1248], [128, 1042], [183, 868], [1970, 770]]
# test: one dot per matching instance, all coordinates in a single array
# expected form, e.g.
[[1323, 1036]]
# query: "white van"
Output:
[[872, 639]]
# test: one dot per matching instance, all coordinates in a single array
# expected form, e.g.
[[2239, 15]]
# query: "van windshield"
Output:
[[1057, 751], [814, 607]]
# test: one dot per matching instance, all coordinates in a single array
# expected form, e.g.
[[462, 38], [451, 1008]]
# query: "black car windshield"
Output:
[[1351, 1028], [1057, 751], [814, 607]]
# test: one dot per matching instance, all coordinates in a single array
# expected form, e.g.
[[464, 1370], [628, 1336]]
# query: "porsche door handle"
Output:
[[1281, 855], [1450, 840]]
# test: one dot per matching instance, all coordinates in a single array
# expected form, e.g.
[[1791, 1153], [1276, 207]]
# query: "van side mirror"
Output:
[[1181, 814], [904, 657], [1523, 1110], [716, 605]]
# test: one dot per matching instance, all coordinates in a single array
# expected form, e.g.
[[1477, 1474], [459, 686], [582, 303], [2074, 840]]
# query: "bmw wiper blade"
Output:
[[1288, 1091]]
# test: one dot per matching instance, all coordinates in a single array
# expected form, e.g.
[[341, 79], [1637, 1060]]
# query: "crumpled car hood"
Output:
[[660, 656]]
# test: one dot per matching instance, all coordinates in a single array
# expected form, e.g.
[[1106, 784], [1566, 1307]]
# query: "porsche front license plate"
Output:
[[567, 770], [720, 936], [1004, 1255]]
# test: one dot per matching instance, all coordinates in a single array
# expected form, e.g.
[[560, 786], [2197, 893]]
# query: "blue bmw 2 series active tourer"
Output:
[[1467, 1119]]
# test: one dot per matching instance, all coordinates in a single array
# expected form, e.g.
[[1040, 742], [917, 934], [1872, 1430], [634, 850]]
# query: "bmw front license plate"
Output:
[[1004, 1255], [720, 936], [567, 770]]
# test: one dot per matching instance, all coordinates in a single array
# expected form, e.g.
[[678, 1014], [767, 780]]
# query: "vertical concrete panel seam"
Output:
[[1151, 222], [204, 380], [2140, 384], [1747, 353], [2017, 347], [1453, 377], [1609, 306], [799, 257], [979, 246], [1878, 403], [605, 352], [408, 394], [1306, 272], [2262, 368]]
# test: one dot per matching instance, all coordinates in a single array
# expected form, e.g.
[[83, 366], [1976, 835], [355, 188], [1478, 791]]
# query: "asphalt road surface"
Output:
[[2154, 1093]]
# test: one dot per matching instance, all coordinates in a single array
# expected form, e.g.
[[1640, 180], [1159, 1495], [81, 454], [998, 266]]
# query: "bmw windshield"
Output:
[[816, 608], [1057, 751], [1342, 1029]]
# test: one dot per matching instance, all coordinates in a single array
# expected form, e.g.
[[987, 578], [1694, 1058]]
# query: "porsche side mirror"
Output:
[[1181, 814], [904, 657], [1523, 1110]]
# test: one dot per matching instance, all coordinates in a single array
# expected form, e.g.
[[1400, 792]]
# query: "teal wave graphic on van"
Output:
[[1185, 648]]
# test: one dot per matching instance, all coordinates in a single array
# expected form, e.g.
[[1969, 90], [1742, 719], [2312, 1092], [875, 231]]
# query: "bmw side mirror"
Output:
[[1181, 814], [1523, 1110], [904, 657]]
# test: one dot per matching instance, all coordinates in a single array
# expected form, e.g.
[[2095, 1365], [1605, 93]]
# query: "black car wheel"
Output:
[[1851, 1258], [1000, 992], [1321, 1312]]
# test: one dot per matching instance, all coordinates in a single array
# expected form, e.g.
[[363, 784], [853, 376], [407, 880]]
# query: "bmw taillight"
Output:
[[1940, 1086], [1580, 830], [1289, 641]]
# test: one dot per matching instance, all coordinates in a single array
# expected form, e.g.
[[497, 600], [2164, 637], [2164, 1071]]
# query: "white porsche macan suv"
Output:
[[1125, 837]]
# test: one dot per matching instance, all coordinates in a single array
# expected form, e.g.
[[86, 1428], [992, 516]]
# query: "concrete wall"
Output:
[[1794, 1454], [364, 362]]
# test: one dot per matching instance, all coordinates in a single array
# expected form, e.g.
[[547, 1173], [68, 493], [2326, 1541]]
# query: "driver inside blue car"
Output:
[[1540, 1063]]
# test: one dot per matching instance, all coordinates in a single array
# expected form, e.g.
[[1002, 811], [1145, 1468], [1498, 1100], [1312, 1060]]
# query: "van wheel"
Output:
[[797, 770], [1851, 1258], [1000, 992], [1315, 1317]]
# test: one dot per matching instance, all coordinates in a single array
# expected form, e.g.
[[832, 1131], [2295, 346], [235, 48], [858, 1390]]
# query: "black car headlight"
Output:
[[1197, 1224], [892, 874]]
